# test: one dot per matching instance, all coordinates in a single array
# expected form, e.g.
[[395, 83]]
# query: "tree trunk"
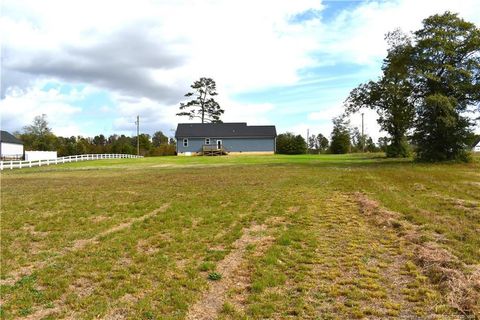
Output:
[[203, 106]]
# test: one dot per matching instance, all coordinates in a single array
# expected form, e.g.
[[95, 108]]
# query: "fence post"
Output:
[[1, 165], [30, 163], [39, 163], [11, 164]]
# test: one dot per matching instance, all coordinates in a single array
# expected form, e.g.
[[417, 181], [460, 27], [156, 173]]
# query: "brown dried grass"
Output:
[[459, 282]]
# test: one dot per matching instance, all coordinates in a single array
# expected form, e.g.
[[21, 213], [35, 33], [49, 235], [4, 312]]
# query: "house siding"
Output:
[[195, 145], [11, 150]]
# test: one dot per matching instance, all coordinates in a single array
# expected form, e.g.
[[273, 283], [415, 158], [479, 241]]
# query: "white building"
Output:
[[476, 146], [11, 148]]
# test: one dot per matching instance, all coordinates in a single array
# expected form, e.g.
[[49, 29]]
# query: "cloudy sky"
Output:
[[91, 66]]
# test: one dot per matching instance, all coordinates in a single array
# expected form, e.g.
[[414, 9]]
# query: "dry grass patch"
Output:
[[82, 287], [459, 281]]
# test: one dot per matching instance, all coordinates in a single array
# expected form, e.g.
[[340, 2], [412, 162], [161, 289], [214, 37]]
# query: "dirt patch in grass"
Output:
[[459, 282], [473, 183], [42, 313], [31, 230], [97, 219], [145, 247], [83, 287], [117, 314], [293, 209], [468, 205], [211, 302]]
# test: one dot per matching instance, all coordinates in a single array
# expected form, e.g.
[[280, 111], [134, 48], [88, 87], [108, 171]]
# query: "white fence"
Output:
[[82, 157]]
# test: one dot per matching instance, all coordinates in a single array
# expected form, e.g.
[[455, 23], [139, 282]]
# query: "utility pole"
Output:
[[308, 135], [363, 137], [138, 135]]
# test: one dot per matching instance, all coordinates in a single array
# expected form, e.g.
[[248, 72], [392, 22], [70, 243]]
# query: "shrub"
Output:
[[288, 143], [163, 150]]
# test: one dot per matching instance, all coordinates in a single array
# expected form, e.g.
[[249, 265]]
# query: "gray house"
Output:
[[224, 138]]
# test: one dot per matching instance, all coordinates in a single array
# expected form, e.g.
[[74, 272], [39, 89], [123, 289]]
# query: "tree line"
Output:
[[38, 136], [344, 139]]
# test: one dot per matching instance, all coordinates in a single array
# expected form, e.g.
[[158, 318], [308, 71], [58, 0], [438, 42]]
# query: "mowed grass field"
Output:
[[244, 237]]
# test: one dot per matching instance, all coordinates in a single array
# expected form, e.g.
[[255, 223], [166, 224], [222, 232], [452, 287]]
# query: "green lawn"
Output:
[[290, 237]]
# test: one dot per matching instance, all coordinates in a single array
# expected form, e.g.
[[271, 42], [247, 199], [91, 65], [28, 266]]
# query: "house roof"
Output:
[[476, 142], [9, 138], [223, 130]]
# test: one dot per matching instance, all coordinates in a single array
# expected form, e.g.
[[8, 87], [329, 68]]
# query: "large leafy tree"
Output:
[[446, 74], [38, 135], [390, 96], [440, 130], [340, 138], [99, 140], [159, 138], [203, 106], [322, 142], [312, 142]]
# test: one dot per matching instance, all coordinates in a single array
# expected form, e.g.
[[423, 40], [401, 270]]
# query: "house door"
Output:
[[219, 144]]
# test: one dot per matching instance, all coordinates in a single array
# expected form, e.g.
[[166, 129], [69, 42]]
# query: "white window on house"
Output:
[[207, 140], [185, 142]]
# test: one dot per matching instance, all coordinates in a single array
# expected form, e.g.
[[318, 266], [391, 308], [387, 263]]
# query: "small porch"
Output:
[[213, 150]]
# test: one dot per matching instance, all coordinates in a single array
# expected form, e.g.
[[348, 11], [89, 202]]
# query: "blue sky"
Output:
[[91, 67]]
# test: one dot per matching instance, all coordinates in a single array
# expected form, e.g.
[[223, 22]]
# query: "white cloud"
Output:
[[357, 35], [20, 107], [243, 45], [146, 53], [326, 114]]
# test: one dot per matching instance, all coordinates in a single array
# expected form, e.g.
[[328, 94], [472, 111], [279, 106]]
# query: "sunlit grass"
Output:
[[326, 258]]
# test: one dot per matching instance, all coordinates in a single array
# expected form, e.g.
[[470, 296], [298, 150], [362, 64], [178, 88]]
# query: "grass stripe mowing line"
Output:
[[211, 302], [79, 245]]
